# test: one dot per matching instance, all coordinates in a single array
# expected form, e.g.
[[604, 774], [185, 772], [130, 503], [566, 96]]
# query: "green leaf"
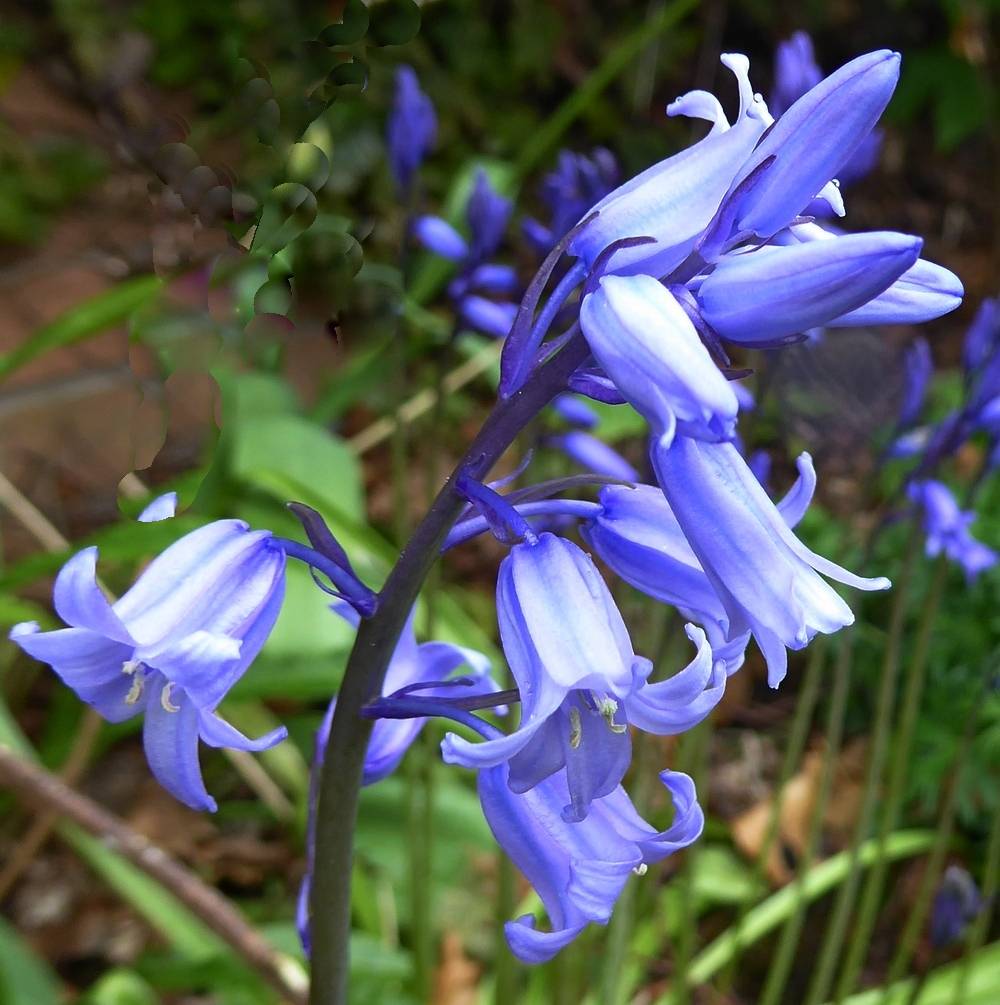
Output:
[[24, 978], [288, 456], [84, 321], [770, 913]]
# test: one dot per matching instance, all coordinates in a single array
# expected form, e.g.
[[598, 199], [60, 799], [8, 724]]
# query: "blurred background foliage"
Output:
[[205, 280]]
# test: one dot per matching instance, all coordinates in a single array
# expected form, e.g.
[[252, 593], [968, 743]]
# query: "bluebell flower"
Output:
[[594, 455], [172, 646], [811, 141], [767, 580], [957, 903], [580, 682], [411, 130], [577, 184], [575, 410], [487, 213], [416, 663], [578, 869], [947, 528], [925, 291], [637, 536], [773, 292], [795, 72], [675, 200], [647, 345], [487, 316], [982, 340], [918, 368]]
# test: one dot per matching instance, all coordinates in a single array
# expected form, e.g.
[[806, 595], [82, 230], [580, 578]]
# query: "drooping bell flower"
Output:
[[774, 292], [647, 345], [947, 528], [412, 664], [983, 337], [675, 200], [812, 140], [416, 663], [173, 645], [411, 129], [767, 580], [580, 682], [579, 869], [637, 535]]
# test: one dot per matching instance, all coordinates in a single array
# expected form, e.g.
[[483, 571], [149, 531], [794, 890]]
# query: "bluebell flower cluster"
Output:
[[479, 282], [653, 284]]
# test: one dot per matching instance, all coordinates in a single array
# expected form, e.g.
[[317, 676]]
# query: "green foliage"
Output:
[[24, 977]]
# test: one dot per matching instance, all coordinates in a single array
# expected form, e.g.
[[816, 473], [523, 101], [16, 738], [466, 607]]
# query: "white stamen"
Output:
[[641, 869], [168, 705], [135, 691], [130, 666]]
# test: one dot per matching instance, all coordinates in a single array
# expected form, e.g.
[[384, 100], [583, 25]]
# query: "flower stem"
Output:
[[781, 963], [340, 780], [916, 673], [793, 753], [833, 940]]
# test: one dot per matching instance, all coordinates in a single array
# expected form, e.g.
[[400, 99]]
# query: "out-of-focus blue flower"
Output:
[[487, 316], [411, 130], [416, 663], [575, 410], [759, 463], [956, 904], [982, 340], [580, 681], [947, 528], [487, 213], [812, 140], [918, 368], [172, 646], [578, 182], [675, 200], [649, 348], [440, 236], [578, 868], [795, 72], [767, 580], [773, 292], [595, 455]]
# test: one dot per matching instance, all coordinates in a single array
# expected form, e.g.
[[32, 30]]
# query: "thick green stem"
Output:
[[916, 674], [340, 779], [833, 940]]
